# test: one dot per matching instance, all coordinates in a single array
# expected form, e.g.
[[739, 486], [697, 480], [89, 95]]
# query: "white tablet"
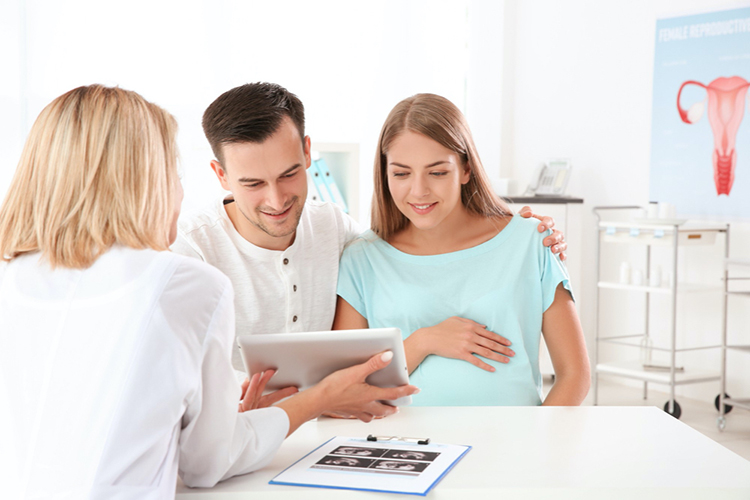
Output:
[[304, 359]]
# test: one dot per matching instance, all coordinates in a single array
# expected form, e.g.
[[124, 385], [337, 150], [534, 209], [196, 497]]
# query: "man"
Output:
[[281, 253]]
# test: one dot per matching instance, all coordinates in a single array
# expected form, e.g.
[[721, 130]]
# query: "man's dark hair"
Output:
[[250, 113]]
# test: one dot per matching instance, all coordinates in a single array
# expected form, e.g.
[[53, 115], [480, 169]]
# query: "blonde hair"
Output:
[[99, 167], [439, 119]]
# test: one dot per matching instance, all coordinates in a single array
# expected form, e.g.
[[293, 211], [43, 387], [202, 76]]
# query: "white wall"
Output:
[[579, 77], [349, 62], [12, 128], [536, 79]]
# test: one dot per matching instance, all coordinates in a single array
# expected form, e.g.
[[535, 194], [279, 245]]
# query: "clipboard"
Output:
[[389, 464]]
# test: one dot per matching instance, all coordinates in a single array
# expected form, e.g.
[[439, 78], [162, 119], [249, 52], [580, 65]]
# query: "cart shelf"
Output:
[[623, 340], [724, 403], [743, 403], [647, 234], [681, 287], [635, 370]]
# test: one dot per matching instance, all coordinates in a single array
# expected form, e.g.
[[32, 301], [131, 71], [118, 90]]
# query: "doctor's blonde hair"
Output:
[[99, 168], [440, 120]]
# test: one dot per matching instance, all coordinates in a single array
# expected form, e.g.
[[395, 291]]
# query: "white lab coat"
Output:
[[114, 377]]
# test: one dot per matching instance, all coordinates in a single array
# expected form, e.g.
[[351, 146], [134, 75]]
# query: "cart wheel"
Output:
[[727, 408], [677, 410], [721, 423]]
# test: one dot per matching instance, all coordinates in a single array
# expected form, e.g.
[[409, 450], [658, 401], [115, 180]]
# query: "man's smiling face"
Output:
[[269, 184]]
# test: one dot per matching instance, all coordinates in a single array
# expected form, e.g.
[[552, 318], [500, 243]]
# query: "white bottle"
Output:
[[654, 279], [625, 273], [666, 211], [637, 277], [667, 280], [646, 346]]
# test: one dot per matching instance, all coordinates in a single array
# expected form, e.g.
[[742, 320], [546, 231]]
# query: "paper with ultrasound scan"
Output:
[[384, 466]]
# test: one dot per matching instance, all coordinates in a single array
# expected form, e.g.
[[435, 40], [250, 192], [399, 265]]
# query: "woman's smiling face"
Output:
[[425, 179]]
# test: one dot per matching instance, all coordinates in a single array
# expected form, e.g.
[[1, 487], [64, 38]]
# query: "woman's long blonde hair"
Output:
[[99, 167], [439, 119]]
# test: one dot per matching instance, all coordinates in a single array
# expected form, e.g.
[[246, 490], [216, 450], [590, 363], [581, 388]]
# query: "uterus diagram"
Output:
[[726, 107]]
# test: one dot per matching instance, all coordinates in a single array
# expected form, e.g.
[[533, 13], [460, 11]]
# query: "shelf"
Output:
[[657, 236], [683, 228], [343, 162], [633, 288], [681, 287], [739, 283], [733, 265], [619, 341], [689, 234], [542, 200], [743, 403], [635, 370]]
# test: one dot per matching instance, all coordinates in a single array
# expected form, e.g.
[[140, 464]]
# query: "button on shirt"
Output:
[[293, 290]]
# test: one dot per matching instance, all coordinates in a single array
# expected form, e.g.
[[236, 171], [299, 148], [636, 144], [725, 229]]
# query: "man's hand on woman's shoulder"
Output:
[[556, 240]]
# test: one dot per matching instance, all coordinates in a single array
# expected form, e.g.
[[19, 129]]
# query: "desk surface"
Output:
[[538, 452]]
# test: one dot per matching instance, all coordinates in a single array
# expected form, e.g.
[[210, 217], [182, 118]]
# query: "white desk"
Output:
[[529, 452]]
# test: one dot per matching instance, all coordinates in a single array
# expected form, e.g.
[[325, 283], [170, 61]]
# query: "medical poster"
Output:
[[700, 133]]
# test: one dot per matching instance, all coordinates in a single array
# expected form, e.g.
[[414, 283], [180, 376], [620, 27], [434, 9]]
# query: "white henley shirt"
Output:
[[293, 290]]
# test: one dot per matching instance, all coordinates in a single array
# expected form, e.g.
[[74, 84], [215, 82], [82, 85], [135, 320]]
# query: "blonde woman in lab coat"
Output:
[[115, 366]]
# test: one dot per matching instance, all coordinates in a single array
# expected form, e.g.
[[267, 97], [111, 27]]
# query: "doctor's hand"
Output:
[[252, 392], [556, 240], [345, 392], [457, 338]]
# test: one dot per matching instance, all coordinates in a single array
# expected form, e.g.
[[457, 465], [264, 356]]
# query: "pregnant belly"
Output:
[[452, 382]]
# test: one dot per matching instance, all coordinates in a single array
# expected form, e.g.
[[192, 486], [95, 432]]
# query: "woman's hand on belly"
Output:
[[457, 338]]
